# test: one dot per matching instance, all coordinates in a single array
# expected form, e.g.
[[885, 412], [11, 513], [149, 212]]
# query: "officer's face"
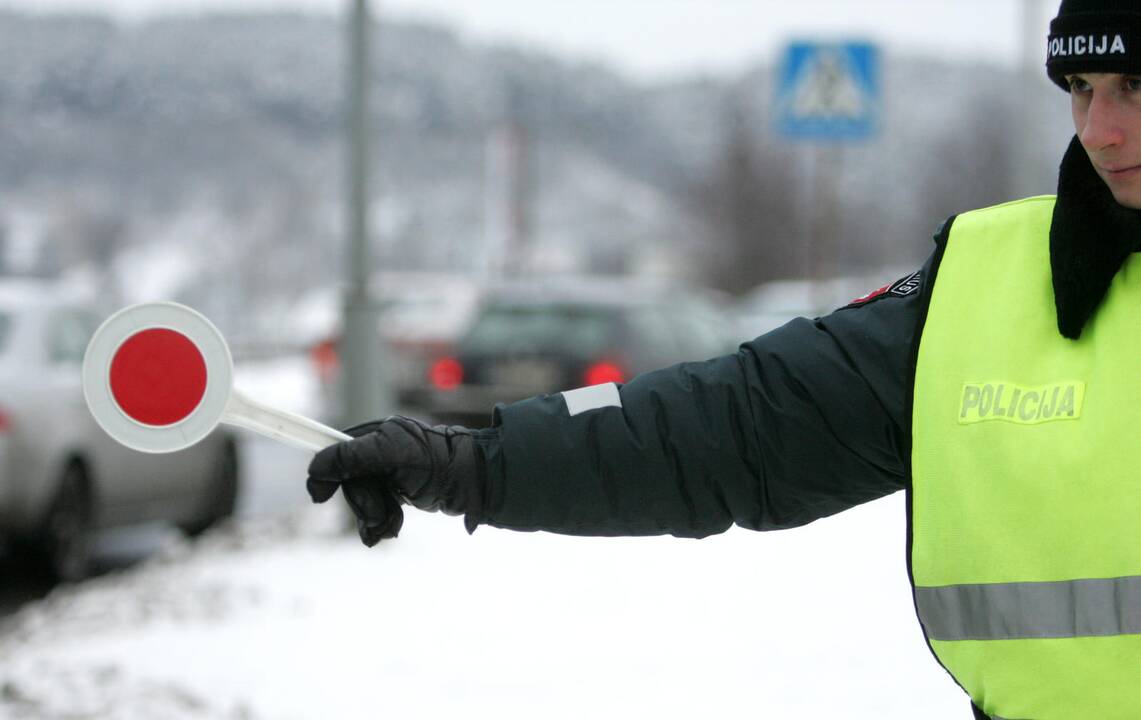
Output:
[[1107, 117]]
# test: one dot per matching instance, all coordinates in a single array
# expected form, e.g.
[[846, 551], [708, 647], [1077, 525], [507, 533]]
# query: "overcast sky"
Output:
[[659, 38]]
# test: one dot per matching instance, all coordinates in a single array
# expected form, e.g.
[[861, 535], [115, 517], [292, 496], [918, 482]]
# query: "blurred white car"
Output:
[[61, 477]]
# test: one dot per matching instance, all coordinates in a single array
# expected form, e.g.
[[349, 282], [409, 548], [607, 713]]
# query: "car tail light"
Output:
[[325, 359], [5, 422], [446, 374], [604, 372]]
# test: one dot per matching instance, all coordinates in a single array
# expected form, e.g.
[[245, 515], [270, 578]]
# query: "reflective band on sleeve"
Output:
[[1013, 611], [592, 398]]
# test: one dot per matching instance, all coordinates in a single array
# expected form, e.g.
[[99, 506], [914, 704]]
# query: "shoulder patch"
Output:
[[900, 288]]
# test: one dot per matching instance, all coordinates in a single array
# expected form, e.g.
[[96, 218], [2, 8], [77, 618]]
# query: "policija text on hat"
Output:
[[1000, 386]]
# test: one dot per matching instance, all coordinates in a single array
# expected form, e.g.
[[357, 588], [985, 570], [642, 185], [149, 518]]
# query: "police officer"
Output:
[[1000, 386]]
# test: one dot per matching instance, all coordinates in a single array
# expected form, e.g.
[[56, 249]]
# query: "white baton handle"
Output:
[[280, 425]]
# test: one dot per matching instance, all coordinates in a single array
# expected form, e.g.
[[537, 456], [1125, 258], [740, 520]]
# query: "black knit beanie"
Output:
[[1094, 36]]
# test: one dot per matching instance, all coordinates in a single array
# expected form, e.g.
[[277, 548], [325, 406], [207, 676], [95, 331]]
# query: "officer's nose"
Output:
[[1103, 127]]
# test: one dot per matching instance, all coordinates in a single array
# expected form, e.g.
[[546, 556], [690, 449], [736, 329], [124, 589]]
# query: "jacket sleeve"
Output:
[[798, 424]]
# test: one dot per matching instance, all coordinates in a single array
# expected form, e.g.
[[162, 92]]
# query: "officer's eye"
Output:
[[1131, 83], [1077, 84]]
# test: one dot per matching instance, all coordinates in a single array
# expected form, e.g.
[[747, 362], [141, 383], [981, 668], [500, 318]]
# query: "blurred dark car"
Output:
[[61, 477], [548, 337], [422, 314]]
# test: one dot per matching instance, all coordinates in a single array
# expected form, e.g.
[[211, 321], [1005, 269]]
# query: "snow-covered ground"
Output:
[[288, 618], [282, 615]]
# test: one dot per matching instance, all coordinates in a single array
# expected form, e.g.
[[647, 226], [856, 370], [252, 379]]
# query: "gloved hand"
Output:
[[399, 460]]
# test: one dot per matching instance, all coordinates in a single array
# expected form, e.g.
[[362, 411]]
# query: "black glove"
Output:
[[400, 460]]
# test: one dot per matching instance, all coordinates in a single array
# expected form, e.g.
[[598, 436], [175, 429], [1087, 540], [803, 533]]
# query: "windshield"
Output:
[[556, 328]]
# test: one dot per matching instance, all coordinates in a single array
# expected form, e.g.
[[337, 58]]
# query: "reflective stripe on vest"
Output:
[[1014, 611], [1026, 478]]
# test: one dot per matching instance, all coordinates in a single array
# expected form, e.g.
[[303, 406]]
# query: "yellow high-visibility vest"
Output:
[[1026, 478]]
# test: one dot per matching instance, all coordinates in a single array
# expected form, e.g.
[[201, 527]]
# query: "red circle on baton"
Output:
[[158, 377]]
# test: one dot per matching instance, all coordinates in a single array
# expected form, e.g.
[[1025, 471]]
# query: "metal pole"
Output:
[[358, 145], [364, 395], [1031, 63]]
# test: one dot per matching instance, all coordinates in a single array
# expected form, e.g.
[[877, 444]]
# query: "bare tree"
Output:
[[749, 205], [975, 167]]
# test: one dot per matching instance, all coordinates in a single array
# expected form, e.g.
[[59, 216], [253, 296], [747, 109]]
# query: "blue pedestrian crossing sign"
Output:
[[828, 91]]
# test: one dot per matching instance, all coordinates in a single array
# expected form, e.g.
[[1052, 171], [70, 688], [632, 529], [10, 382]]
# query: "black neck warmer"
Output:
[[1090, 238]]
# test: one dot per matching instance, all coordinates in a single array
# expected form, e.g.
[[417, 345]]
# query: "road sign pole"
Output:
[[815, 238], [827, 94], [1032, 32], [827, 164]]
